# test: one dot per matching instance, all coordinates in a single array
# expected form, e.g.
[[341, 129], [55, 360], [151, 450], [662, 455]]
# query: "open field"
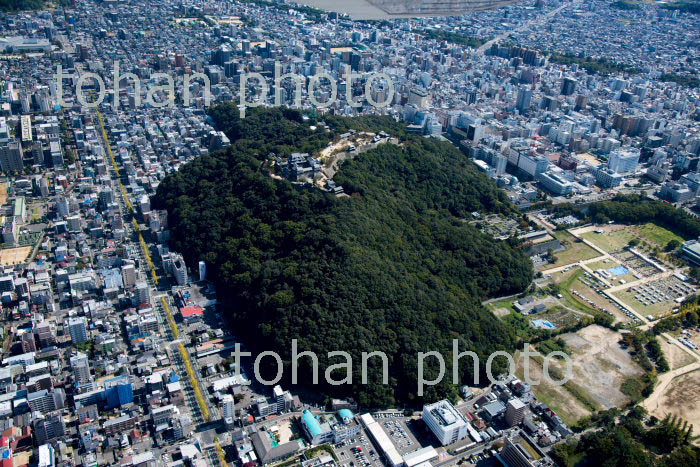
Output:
[[610, 241], [616, 237], [575, 251], [681, 399], [569, 282], [556, 397], [600, 364], [657, 234], [675, 356], [12, 256]]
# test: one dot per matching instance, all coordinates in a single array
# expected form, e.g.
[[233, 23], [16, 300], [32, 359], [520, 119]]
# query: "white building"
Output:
[[623, 161], [446, 423]]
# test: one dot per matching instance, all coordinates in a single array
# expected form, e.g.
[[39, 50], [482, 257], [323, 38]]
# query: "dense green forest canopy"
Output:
[[636, 209], [631, 439], [20, 5], [392, 268]]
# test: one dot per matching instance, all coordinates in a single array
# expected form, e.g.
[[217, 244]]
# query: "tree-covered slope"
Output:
[[390, 268], [17, 5]]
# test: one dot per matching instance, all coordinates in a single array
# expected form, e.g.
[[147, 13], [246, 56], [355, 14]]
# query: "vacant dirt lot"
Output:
[[557, 397], [675, 356], [599, 368], [681, 399], [12, 256], [600, 365]]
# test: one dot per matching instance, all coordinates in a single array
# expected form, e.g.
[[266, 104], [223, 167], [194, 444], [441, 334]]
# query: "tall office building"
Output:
[[63, 206], [202, 270], [180, 271], [518, 454], [500, 162], [49, 428], [129, 275], [623, 161], [142, 293], [77, 328], [11, 157], [119, 391], [446, 423], [80, 363], [524, 99], [515, 412], [229, 406], [568, 86]]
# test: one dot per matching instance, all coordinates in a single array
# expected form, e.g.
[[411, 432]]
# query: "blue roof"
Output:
[[345, 413], [311, 423]]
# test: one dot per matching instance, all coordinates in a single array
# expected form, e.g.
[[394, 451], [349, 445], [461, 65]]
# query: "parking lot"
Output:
[[357, 452], [658, 297]]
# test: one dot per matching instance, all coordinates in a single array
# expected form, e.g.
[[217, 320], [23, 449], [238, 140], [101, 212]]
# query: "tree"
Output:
[[672, 245], [392, 268]]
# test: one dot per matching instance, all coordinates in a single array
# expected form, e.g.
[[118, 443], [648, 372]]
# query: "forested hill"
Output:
[[390, 268], [17, 5]]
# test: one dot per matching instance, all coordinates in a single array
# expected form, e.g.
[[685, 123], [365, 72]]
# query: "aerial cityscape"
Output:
[[428, 233]]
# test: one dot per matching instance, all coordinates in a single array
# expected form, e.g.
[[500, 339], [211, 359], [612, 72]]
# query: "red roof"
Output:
[[189, 311], [7, 463]]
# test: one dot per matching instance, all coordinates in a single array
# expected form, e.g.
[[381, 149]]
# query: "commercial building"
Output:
[[49, 428], [77, 328], [691, 251], [623, 161], [446, 423], [555, 184], [420, 457], [606, 178], [321, 429], [515, 412], [11, 157], [519, 452], [382, 441], [267, 453]]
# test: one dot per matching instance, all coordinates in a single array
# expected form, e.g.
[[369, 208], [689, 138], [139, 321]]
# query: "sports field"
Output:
[[11, 256]]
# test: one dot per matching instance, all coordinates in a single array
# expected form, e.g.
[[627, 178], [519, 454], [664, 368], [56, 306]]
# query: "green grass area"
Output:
[[580, 394], [610, 241], [506, 303], [649, 233], [36, 213], [565, 288], [657, 234], [575, 251]]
